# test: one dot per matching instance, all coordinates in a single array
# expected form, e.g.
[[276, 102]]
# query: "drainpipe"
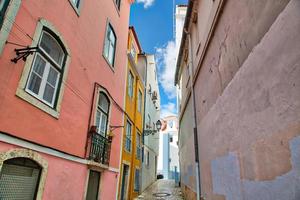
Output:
[[196, 145]]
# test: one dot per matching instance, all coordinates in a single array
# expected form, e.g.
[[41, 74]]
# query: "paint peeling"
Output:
[[227, 181]]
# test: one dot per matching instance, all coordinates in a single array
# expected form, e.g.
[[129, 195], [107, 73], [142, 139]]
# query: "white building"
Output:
[[151, 116], [168, 161]]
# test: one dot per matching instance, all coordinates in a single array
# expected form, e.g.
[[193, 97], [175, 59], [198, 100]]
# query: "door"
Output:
[[93, 185], [124, 192], [19, 179]]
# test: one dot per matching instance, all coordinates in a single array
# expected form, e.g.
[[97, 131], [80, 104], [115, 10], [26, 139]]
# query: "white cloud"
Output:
[[168, 109], [147, 3], [166, 61]]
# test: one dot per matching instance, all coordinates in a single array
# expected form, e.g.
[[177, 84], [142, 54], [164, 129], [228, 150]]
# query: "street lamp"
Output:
[[149, 131]]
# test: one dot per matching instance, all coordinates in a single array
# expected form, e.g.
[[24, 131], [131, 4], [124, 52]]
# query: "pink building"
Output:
[[61, 99]]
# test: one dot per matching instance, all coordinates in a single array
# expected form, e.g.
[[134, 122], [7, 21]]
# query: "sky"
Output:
[[153, 22]]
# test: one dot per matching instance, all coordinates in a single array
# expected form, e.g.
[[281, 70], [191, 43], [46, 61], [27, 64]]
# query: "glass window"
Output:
[[133, 51], [118, 2], [128, 137], [130, 84], [76, 3], [46, 70], [102, 114], [3, 7], [140, 101], [137, 180], [138, 145], [110, 45]]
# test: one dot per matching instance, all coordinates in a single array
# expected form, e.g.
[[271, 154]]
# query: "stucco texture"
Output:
[[249, 133]]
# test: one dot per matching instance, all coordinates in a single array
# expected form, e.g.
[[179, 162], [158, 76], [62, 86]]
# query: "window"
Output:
[[130, 85], [128, 137], [133, 51], [171, 139], [3, 8], [171, 124], [110, 45], [140, 103], [76, 3], [20, 179], [118, 3], [102, 114], [137, 180], [46, 70], [138, 145]]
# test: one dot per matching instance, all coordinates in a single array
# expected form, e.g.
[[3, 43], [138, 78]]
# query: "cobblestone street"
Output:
[[162, 189]]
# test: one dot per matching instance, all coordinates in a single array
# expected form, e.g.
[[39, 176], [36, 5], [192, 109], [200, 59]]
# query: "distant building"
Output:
[[151, 116], [61, 102], [168, 162], [238, 71]]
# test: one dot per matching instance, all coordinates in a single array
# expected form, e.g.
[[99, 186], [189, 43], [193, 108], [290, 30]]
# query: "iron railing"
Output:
[[100, 148]]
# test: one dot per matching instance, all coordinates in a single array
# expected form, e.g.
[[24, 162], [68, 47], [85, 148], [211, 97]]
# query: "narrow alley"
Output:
[[162, 189]]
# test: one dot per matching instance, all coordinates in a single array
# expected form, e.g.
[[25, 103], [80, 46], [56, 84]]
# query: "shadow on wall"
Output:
[[227, 182]]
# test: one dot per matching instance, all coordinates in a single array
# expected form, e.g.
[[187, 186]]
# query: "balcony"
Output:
[[100, 147]]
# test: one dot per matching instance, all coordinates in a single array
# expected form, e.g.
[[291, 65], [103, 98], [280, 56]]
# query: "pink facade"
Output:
[[82, 33]]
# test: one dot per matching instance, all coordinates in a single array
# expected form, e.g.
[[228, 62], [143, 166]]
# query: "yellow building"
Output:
[[130, 175]]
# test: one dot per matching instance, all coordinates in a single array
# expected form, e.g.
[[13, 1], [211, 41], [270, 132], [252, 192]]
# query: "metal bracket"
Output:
[[23, 53], [112, 128]]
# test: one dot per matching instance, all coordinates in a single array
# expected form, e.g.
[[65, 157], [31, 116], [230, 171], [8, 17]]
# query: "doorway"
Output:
[[124, 191], [93, 185]]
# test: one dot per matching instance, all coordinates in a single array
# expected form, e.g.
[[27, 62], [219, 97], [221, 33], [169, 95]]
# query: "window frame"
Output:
[[118, 4], [136, 180], [20, 92], [50, 62], [138, 146], [130, 89], [111, 64], [76, 6], [102, 112], [140, 101], [128, 137]]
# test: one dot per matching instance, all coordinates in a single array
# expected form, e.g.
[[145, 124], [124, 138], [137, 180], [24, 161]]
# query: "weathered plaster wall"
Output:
[[248, 134]]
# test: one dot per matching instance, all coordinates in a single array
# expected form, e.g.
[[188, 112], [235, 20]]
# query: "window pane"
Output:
[[53, 49], [103, 124], [48, 94], [39, 65], [76, 3], [52, 77], [34, 83], [103, 103], [98, 115], [111, 53], [109, 46], [3, 7], [36, 75]]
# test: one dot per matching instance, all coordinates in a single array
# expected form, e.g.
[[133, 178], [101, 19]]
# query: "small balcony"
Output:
[[100, 147]]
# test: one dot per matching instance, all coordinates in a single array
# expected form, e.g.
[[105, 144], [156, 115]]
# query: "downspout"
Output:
[[196, 145]]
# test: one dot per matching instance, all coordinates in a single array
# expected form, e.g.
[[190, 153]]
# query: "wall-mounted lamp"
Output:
[[149, 131]]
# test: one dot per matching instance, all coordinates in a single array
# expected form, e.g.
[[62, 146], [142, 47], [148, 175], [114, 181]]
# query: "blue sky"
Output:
[[153, 22]]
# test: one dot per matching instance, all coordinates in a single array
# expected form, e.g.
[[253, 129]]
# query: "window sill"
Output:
[[108, 63], [37, 103], [77, 10]]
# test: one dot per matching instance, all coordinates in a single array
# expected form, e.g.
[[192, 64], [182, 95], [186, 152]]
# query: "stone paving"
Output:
[[161, 190]]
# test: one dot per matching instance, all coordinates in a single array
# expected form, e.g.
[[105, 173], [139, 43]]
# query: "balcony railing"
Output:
[[100, 147]]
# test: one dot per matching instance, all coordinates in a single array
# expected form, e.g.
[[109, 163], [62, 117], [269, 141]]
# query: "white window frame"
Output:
[[130, 84], [49, 62], [21, 90], [128, 136], [102, 112], [140, 101]]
